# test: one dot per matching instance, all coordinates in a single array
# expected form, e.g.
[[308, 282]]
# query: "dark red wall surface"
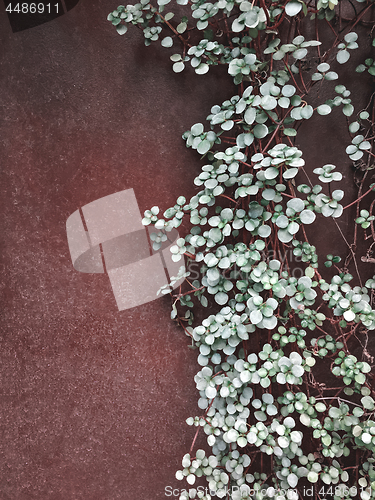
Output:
[[93, 400]]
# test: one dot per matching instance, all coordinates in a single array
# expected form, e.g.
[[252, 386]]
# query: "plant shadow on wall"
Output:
[[288, 410]]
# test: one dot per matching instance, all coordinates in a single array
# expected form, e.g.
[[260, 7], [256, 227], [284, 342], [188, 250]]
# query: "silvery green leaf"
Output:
[[278, 55], [244, 140], [167, 41], [312, 476], [297, 370], [210, 183], [307, 112], [197, 129], [201, 25], [205, 199], [238, 25], [248, 139], [204, 146], [351, 37], [215, 234], [250, 60], [283, 441], [260, 416], [293, 7], [238, 224], [358, 139], [365, 145], [351, 149], [288, 91], [327, 211], [210, 392], [270, 323], [282, 221], [226, 214], [251, 19], [342, 56], [211, 260], [307, 216], [348, 109], [295, 100], [268, 194], [349, 315], [250, 225], [262, 117], [271, 410], [264, 231], [291, 132], [331, 75], [338, 212], [316, 77], [204, 301], [213, 276], [293, 227], [242, 442], [299, 53], [260, 131], [221, 298], [292, 480], [271, 173], [284, 236], [256, 316], [226, 230], [368, 403], [284, 102], [250, 115], [290, 173], [356, 156], [324, 109], [294, 303], [178, 67], [323, 67], [296, 204], [296, 114], [197, 13], [121, 29], [202, 69], [298, 40], [224, 263], [252, 190], [268, 102], [338, 194], [326, 478]]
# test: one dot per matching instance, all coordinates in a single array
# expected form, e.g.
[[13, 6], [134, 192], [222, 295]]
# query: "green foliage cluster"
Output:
[[272, 426]]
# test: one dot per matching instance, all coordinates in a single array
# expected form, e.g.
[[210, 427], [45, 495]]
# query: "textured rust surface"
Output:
[[93, 400]]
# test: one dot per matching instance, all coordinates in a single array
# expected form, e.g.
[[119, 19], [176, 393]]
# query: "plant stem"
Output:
[[360, 198]]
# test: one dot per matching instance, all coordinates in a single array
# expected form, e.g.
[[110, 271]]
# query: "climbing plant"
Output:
[[287, 408]]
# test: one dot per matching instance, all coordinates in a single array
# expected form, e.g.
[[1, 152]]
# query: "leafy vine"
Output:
[[275, 429]]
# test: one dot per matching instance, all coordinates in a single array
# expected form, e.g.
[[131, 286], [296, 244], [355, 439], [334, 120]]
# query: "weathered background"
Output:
[[93, 400]]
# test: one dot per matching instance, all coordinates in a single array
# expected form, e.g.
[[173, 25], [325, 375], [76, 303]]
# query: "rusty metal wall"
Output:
[[93, 400]]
